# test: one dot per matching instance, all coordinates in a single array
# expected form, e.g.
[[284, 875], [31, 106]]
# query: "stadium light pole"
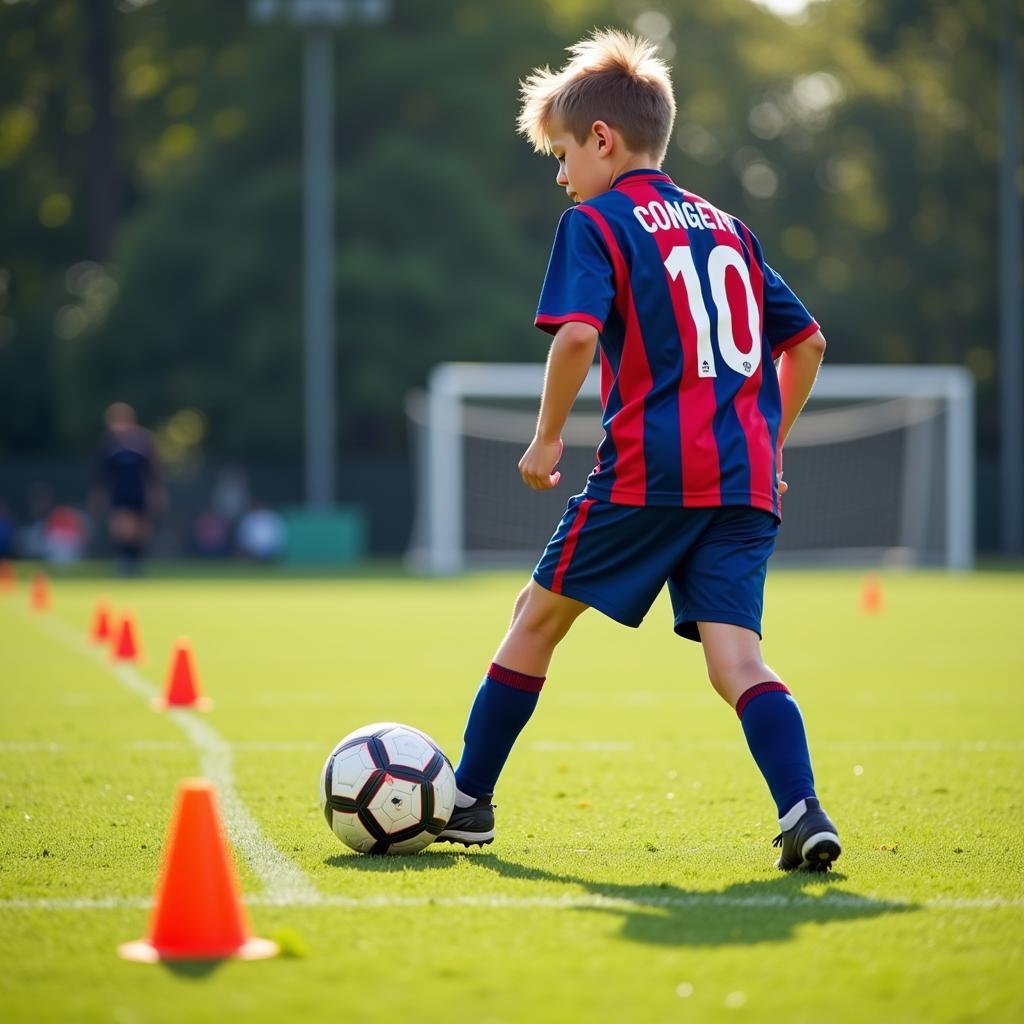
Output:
[[1011, 315], [318, 19]]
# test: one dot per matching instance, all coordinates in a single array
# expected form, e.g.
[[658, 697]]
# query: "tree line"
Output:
[[150, 187]]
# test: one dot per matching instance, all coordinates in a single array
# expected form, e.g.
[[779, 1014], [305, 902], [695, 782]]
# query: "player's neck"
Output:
[[635, 162]]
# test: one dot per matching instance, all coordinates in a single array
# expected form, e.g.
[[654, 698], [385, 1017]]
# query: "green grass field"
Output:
[[632, 875]]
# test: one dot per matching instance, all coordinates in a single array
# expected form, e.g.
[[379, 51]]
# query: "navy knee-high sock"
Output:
[[503, 705], [774, 729]]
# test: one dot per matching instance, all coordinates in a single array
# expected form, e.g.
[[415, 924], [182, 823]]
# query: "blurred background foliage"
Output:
[[150, 223]]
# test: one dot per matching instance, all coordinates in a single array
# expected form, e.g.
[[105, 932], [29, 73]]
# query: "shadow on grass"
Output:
[[744, 913], [213, 570], [196, 970]]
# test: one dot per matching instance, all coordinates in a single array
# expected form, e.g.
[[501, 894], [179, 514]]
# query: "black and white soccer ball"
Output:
[[387, 788]]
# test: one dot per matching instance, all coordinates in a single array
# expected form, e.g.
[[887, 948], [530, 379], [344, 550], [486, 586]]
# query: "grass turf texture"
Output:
[[632, 874]]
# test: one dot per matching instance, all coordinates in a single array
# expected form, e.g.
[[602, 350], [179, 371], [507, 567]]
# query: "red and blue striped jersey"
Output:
[[690, 319]]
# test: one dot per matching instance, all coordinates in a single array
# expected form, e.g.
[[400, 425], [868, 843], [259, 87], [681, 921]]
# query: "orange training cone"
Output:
[[182, 687], [871, 595], [100, 632], [6, 576], [198, 914], [39, 596], [124, 642]]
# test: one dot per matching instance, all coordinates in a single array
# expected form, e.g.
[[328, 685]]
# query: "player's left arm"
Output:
[[569, 360], [798, 370]]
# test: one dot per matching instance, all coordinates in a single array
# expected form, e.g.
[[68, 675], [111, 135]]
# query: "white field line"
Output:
[[937, 746], [560, 746], [283, 880], [583, 901], [921, 745]]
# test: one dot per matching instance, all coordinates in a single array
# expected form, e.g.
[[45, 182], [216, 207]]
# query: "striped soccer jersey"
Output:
[[690, 319]]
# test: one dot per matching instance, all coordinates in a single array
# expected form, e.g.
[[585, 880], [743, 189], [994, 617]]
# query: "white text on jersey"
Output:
[[660, 216]]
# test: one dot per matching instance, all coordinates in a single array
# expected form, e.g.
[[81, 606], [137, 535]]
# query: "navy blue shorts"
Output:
[[616, 558]]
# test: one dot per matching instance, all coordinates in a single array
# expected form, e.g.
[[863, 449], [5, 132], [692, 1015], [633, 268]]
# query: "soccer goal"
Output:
[[880, 467]]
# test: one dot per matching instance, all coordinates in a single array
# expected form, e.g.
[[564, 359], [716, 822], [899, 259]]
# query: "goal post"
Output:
[[880, 466]]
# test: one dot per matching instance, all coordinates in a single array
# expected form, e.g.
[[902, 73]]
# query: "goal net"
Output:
[[880, 467]]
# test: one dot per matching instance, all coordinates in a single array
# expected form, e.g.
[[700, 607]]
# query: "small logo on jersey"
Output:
[[704, 367], [746, 366]]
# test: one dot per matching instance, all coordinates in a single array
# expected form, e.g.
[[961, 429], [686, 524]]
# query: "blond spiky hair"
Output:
[[613, 77]]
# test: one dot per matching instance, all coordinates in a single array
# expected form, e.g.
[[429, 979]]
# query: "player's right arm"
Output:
[[575, 300], [569, 360]]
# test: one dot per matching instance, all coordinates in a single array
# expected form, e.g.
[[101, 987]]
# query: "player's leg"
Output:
[[718, 596], [771, 720], [504, 704], [602, 556], [510, 690], [734, 660], [128, 532], [775, 733], [540, 621]]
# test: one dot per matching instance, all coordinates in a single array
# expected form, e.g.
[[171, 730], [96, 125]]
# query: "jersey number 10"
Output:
[[680, 263]]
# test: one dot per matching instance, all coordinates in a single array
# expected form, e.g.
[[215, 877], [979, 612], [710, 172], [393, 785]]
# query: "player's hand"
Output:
[[539, 465], [782, 485]]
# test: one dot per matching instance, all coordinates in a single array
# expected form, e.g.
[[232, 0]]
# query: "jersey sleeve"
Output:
[[580, 282], [786, 320]]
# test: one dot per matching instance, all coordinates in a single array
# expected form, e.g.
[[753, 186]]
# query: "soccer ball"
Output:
[[387, 788]]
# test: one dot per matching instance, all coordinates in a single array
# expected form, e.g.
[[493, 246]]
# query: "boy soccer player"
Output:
[[690, 319]]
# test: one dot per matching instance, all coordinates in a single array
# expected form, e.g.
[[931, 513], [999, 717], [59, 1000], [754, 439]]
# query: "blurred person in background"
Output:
[[64, 535], [128, 490], [262, 534], [211, 535], [230, 497]]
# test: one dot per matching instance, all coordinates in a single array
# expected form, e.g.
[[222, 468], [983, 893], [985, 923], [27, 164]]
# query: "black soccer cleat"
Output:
[[812, 844], [472, 825]]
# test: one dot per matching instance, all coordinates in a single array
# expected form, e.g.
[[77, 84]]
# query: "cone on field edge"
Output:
[[39, 593], [101, 625], [871, 599], [124, 639], [7, 577], [182, 689], [198, 912]]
